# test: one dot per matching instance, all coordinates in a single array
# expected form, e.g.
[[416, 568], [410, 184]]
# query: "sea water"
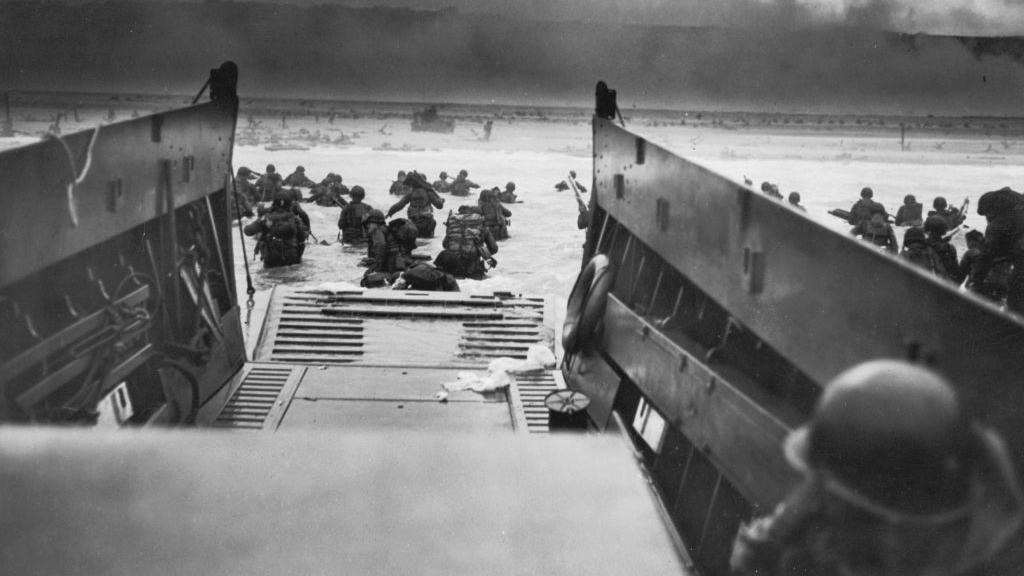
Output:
[[543, 254]]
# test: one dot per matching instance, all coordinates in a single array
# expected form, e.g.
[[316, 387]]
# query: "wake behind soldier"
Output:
[[421, 199], [896, 481], [282, 235]]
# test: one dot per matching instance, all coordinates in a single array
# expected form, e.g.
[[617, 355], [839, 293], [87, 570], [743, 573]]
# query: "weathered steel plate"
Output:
[[123, 187], [823, 300]]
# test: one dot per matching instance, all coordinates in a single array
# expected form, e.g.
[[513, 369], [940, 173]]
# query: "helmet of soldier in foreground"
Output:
[[936, 225], [271, 169], [794, 197], [510, 186], [487, 195], [443, 175], [914, 235], [939, 203], [867, 192], [463, 173], [416, 180], [300, 169], [357, 193], [909, 199], [888, 436], [373, 217], [283, 197], [245, 172]]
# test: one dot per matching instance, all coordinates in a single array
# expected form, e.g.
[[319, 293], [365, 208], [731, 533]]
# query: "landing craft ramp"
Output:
[[367, 358]]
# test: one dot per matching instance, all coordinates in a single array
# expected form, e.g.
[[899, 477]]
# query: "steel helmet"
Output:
[[939, 203], [300, 169], [443, 175], [794, 197], [463, 173], [358, 193], [888, 436], [373, 216], [510, 186], [936, 225]]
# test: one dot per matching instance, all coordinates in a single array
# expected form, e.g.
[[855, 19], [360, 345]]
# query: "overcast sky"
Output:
[[960, 17]]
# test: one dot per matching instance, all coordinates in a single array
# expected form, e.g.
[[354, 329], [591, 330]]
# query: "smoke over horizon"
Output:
[[333, 52]]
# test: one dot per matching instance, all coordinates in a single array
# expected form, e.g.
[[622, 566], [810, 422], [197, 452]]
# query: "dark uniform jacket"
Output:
[[909, 215]]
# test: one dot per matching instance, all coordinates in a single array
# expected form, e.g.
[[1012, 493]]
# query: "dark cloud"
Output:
[[791, 60]]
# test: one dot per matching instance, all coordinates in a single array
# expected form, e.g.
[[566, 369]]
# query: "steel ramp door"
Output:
[[378, 359]]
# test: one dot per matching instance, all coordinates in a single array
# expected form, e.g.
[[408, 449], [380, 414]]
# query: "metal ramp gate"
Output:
[[359, 356]]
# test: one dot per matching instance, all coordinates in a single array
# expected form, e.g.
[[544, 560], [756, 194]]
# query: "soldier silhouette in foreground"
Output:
[[896, 481]]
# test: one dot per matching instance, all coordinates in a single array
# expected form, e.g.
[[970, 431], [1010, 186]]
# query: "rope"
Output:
[[76, 177], [241, 235]]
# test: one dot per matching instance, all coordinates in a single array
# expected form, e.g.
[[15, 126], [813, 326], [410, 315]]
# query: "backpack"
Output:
[[423, 276], [922, 255], [464, 234], [282, 225]]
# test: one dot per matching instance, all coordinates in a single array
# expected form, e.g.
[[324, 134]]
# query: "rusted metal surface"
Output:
[[122, 188], [822, 300]]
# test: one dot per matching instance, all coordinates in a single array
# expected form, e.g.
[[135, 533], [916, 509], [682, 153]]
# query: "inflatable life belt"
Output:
[[586, 303]]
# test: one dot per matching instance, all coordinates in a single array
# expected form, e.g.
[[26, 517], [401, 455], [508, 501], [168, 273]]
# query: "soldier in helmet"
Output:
[[282, 234], [999, 269], [952, 216], [896, 481], [794, 201], [384, 253], [421, 199], [508, 195], [935, 227], [876, 230], [269, 183], [462, 184], [299, 178], [910, 213], [245, 191], [862, 209], [442, 184], [398, 186], [350, 221]]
